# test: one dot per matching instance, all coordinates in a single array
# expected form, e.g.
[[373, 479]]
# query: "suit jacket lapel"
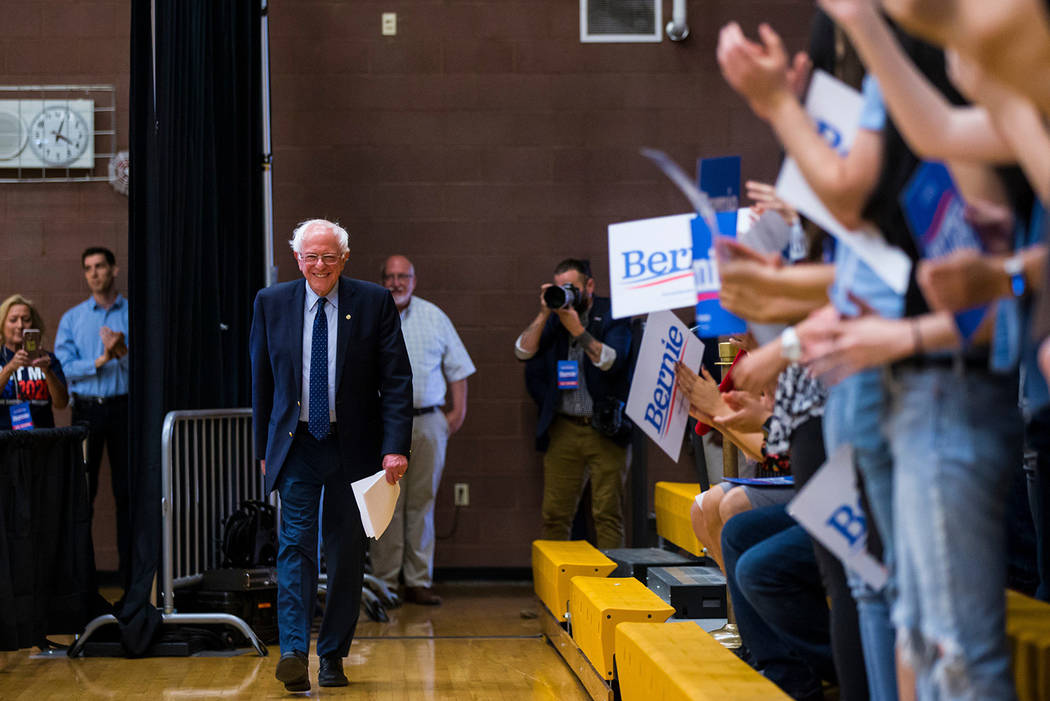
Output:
[[345, 320], [296, 313]]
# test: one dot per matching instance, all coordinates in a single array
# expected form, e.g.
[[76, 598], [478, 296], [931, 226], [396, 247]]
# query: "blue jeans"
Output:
[[955, 438], [778, 599], [313, 466], [853, 414]]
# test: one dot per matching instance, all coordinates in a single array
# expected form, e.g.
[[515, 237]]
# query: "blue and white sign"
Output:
[[835, 108], [651, 265], [654, 402], [828, 507], [935, 213], [711, 318], [719, 179]]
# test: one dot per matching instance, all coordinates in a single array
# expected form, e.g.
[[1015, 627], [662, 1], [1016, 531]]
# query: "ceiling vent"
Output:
[[620, 21]]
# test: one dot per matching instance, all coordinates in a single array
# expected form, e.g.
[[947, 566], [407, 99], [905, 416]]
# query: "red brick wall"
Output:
[[486, 142], [45, 227]]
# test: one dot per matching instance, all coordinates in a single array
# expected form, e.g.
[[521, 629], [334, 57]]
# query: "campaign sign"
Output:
[[654, 402], [829, 508], [651, 265], [719, 179], [711, 318], [835, 108], [935, 213]]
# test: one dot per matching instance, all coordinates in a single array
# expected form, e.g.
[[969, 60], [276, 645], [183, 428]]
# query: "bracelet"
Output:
[[916, 337]]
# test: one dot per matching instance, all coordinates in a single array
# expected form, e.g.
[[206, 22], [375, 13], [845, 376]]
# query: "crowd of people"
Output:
[[937, 415]]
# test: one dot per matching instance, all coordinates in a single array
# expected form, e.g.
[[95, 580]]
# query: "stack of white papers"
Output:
[[376, 499]]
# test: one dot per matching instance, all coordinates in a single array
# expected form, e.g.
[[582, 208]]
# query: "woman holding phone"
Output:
[[31, 379]]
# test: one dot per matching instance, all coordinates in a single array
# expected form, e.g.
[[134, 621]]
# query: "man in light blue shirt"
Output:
[[92, 346]]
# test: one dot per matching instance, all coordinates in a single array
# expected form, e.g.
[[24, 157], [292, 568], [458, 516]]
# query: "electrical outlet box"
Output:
[[461, 494], [389, 24]]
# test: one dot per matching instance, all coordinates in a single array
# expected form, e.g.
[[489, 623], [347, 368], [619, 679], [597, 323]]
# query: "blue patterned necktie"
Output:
[[319, 424]]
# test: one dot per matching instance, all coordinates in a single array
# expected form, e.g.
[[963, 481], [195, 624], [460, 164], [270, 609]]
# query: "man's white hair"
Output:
[[296, 242]]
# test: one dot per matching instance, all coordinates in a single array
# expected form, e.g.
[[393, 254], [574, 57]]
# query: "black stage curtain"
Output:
[[195, 231], [47, 564]]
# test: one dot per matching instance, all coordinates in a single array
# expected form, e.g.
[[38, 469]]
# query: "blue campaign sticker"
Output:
[[711, 318], [935, 211], [719, 179], [21, 418], [568, 374]]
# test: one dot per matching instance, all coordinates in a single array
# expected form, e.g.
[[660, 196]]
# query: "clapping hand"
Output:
[[747, 411]]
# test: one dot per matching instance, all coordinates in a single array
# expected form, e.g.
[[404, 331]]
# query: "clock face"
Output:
[[59, 136]]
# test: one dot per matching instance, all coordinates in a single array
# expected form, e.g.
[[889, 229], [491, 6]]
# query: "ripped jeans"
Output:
[[955, 438]]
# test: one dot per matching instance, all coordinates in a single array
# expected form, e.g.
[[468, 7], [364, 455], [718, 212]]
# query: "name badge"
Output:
[[568, 374], [21, 418]]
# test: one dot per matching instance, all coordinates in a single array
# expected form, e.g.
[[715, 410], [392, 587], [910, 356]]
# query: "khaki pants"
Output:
[[575, 451], [407, 545]]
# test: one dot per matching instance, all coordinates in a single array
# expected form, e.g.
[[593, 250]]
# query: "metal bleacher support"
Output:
[[207, 469]]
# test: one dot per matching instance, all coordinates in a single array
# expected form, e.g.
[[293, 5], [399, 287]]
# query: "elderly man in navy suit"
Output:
[[331, 401]]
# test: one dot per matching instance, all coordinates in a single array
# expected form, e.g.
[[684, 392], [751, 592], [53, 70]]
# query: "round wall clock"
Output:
[[13, 135], [59, 136]]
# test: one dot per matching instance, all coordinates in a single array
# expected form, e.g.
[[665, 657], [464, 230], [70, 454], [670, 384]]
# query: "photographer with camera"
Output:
[[578, 370]]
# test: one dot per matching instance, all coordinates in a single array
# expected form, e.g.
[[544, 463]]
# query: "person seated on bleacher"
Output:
[[31, 379], [740, 417]]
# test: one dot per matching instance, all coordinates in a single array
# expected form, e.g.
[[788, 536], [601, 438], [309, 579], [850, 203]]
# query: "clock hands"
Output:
[[61, 125]]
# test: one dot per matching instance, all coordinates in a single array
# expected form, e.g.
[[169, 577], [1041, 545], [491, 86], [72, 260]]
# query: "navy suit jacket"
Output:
[[373, 384], [541, 370]]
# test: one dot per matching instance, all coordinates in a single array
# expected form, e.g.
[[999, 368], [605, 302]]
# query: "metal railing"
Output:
[[207, 469]]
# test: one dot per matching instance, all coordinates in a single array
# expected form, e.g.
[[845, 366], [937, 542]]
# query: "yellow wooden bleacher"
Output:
[[671, 501], [598, 604], [556, 562], [1028, 633], [679, 661]]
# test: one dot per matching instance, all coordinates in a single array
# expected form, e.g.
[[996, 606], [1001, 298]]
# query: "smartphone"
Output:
[[31, 342]]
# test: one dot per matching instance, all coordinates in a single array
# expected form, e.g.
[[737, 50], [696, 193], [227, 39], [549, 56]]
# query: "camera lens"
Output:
[[555, 297]]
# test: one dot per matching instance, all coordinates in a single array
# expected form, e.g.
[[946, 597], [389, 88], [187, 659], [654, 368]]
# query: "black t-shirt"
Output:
[[28, 384]]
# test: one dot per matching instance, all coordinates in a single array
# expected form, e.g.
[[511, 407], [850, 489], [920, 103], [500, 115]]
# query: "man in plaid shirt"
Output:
[[440, 363]]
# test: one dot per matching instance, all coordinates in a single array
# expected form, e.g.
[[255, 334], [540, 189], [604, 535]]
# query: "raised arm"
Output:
[[933, 128], [759, 73]]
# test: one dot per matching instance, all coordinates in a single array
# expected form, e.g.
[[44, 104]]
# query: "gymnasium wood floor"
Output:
[[479, 644]]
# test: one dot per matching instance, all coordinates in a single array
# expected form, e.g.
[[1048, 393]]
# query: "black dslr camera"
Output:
[[561, 296], [609, 419]]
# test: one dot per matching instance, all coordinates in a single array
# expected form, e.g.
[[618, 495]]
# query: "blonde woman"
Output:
[[33, 378]]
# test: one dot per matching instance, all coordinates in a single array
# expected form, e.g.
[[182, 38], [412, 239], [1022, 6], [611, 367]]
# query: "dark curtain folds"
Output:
[[47, 563], [195, 233]]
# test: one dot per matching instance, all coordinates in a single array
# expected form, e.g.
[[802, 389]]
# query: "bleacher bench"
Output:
[[598, 604], [672, 501], [556, 562], [679, 661]]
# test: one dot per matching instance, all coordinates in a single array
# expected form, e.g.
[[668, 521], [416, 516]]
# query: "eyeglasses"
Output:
[[311, 258], [399, 277]]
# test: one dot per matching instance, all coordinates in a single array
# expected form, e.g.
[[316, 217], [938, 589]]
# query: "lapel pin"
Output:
[[348, 317]]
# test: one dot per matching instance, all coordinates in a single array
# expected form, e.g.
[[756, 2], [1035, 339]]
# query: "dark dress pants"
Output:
[[311, 466], [107, 425], [778, 599]]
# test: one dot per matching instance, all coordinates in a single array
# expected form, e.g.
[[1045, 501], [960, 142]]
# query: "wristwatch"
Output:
[[1014, 267], [790, 345]]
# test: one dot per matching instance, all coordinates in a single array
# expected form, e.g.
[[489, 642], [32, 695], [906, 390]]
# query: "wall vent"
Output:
[[620, 21]]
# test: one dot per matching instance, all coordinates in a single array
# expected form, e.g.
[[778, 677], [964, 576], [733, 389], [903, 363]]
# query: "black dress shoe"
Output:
[[331, 671], [294, 670], [424, 596]]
